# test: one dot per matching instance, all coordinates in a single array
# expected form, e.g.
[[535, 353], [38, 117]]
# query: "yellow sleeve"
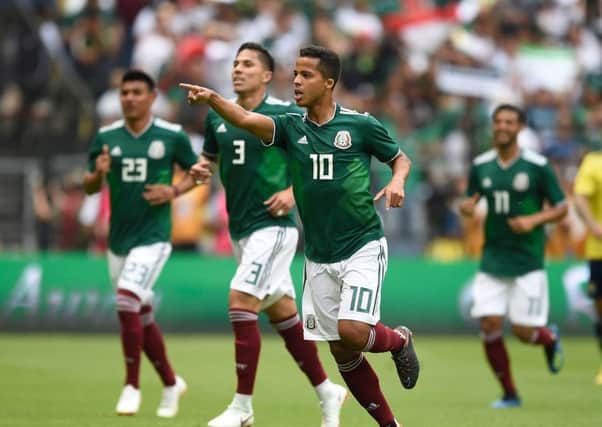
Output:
[[585, 184]]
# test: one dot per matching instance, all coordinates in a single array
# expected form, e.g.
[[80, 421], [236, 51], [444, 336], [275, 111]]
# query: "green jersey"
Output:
[[330, 170], [138, 160], [513, 190], [250, 173]]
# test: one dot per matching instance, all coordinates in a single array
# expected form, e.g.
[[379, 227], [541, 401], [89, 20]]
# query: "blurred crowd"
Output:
[[430, 70]]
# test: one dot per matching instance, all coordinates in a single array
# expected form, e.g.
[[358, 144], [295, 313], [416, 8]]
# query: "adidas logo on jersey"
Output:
[[221, 129], [116, 151], [302, 140]]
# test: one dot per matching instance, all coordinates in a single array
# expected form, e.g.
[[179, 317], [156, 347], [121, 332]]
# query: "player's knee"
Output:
[[240, 300], [353, 334], [491, 325], [523, 333], [127, 301], [147, 316], [341, 352], [283, 309]]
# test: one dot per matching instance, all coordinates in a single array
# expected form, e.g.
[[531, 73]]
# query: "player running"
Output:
[[259, 202], [136, 155], [329, 149], [511, 280]]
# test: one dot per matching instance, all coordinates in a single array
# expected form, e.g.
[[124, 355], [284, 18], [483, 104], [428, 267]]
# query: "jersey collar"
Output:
[[511, 163], [143, 131], [334, 114]]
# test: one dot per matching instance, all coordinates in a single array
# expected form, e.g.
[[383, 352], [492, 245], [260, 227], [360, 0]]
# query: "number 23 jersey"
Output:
[[330, 170], [138, 160]]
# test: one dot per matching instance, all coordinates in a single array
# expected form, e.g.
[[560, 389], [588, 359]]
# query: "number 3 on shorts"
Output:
[[254, 274]]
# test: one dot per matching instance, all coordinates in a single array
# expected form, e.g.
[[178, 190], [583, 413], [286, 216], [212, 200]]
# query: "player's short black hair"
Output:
[[522, 116], [264, 56], [330, 63], [138, 75]]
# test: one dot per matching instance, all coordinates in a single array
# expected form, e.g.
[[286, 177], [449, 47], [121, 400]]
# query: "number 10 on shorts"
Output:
[[361, 299]]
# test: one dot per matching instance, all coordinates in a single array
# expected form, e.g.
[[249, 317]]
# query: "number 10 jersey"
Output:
[[330, 170]]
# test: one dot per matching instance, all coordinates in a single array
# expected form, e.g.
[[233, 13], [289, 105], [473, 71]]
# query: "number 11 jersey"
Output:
[[517, 189]]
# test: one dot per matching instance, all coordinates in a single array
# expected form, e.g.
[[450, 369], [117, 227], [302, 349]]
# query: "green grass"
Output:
[[74, 380]]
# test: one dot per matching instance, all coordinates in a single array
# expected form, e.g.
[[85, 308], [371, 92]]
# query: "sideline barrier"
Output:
[[63, 292]]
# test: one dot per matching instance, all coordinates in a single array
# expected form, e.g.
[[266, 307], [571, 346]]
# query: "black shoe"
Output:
[[406, 360], [554, 354]]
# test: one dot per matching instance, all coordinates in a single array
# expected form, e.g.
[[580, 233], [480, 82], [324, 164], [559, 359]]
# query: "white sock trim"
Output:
[[352, 364], [242, 316], [287, 324], [492, 336], [371, 339]]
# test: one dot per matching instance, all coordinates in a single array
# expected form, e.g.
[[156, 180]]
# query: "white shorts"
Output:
[[524, 299], [348, 289], [138, 271], [264, 262]]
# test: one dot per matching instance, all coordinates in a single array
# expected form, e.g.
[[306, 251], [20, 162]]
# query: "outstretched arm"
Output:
[[258, 124]]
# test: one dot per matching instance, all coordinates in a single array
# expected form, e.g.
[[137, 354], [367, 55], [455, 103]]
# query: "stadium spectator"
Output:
[[329, 149], [136, 156], [94, 40], [262, 228], [511, 280], [438, 59], [588, 201]]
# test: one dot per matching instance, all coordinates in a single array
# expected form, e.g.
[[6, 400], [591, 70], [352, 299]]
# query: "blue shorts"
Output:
[[594, 289]]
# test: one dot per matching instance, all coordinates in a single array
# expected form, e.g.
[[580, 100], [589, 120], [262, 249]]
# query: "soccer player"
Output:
[[511, 281], [588, 201], [329, 149], [136, 155], [259, 202]]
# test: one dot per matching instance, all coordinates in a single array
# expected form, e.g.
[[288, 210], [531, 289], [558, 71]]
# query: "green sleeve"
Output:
[[379, 142], [210, 147], [93, 152], [473, 182], [184, 155], [280, 124], [551, 187]]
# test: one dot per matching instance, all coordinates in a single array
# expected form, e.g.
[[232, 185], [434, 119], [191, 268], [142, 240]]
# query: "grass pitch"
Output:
[[74, 380]]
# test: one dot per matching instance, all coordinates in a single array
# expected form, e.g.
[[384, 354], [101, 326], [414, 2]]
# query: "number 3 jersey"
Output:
[[330, 170], [249, 173], [138, 160], [517, 189]]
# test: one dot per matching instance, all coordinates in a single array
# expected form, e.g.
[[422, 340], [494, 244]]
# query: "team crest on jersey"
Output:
[[156, 150], [520, 181], [342, 140], [486, 182], [310, 321]]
